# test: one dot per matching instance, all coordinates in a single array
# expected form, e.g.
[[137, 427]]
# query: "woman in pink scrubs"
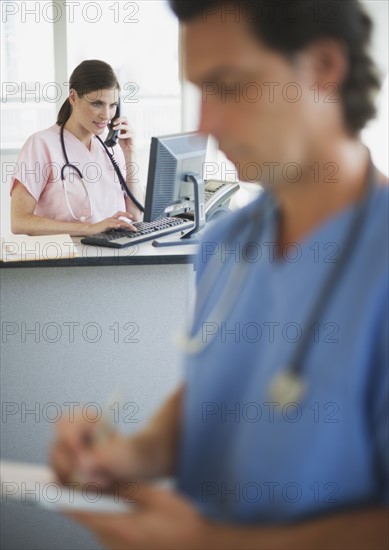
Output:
[[44, 204]]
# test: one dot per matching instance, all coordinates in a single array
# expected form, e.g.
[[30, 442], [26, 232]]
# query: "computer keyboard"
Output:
[[146, 231]]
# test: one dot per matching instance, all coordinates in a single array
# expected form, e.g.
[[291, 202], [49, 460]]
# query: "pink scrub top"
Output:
[[39, 170]]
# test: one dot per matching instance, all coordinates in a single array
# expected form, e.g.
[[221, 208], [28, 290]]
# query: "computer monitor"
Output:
[[172, 157]]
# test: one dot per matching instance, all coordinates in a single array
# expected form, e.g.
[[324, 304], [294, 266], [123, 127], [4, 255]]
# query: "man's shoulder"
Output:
[[227, 229], [379, 210], [224, 227], [377, 231]]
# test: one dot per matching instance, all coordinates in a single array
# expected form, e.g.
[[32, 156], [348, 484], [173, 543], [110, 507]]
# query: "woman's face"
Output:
[[94, 110]]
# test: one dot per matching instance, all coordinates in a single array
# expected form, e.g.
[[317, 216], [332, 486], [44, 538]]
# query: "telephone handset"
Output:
[[113, 135]]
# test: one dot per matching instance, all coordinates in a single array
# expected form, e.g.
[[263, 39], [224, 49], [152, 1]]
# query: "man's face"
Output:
[[257, 104]]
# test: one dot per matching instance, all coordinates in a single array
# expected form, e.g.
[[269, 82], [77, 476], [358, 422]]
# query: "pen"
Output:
[[105, 426]]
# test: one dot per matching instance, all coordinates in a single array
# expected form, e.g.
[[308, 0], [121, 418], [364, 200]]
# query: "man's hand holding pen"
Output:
[[96, 451], [87, 451], [93, 452]]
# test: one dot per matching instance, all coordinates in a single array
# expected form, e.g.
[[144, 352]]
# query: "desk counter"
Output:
[[139, 254], [73, 338]]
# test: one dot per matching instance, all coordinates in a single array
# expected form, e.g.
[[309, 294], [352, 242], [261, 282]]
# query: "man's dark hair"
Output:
[[289, 26]]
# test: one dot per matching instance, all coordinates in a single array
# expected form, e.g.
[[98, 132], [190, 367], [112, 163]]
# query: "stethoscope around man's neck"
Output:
[[289, 385], [68, 165]]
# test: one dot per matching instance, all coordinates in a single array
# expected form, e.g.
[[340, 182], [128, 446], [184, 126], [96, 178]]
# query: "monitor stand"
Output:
[[199, 215]]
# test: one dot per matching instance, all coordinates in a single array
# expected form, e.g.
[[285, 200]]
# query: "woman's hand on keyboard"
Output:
[[114, 222]]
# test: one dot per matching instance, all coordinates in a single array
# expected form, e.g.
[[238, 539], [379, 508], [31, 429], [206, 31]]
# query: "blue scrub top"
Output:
[[246, 457]]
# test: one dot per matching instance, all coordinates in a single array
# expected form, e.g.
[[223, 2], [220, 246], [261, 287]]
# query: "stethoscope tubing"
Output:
[[68, 165], [78, 172]]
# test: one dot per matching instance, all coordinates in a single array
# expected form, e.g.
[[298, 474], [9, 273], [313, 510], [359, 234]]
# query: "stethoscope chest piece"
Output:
[[287, 387]]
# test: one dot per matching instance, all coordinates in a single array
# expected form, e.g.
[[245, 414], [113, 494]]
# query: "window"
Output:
[[43, 41], [28, 91], [140, 40]]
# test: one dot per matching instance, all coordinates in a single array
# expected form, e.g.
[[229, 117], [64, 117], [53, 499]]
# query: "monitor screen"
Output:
[[171, 158]]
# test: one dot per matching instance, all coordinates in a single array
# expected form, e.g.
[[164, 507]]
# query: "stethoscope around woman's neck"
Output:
[[288, 385], [68, 165], [79, 173]]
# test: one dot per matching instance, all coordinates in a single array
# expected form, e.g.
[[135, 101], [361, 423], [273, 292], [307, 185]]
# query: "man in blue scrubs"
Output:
[[279, 436]]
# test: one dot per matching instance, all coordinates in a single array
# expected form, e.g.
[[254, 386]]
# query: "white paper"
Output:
[[36, 484]]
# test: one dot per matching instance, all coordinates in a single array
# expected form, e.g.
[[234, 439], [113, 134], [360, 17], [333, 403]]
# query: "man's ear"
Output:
[[329, 62]]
